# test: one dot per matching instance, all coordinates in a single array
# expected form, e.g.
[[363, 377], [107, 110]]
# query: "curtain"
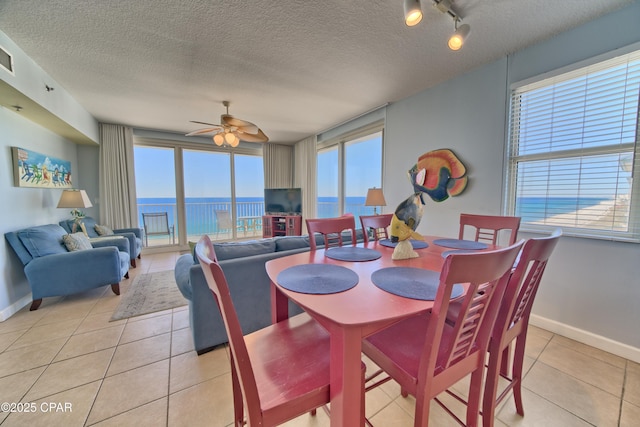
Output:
[[118, 206], [278, 166], [305, 153]]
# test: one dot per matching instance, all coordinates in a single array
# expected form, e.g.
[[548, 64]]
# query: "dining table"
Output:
[[355, 313]]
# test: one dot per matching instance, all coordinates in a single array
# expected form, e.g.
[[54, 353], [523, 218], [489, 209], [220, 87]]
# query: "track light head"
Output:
[[458, 37], [412, 12]]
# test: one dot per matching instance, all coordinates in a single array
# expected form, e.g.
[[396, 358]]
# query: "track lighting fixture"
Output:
[[412, 12], [413, 15], [458, 37]]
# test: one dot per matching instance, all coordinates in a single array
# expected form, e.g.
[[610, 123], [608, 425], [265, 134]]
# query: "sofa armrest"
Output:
[[120, 242], [68, 273], [134, 248], [136, 231]]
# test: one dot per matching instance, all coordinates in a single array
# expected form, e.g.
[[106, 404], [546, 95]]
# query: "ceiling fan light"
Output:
[[218, 139], [412, 12], [229, 138], [236, 142], [457, 39]]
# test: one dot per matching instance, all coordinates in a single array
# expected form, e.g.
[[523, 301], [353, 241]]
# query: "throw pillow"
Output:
[[76, 242], [103, 230]]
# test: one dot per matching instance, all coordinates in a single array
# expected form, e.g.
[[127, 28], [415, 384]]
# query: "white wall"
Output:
[[24, 207], [590, 291]]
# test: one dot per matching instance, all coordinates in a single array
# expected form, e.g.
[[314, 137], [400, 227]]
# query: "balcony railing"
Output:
[[202, 219]]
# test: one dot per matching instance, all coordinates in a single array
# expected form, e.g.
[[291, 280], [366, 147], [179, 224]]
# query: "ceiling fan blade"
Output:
[[204, 123], [247, 127], [259, 136], [205, 130]]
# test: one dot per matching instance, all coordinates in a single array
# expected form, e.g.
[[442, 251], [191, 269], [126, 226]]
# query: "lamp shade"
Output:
[[74, 199], [375, 197]]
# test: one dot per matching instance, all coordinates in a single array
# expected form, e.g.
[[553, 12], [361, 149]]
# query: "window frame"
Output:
[[513, 158], [178, 146], [340, 142]]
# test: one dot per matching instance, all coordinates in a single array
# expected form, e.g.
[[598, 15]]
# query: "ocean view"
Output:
[[201, 219]]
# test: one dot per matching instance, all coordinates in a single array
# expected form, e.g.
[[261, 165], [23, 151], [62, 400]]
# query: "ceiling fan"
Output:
[[231, 131]]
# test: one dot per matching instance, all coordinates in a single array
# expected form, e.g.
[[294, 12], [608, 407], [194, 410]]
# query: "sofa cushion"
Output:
[[90, 226], [232, 250], [103, 230], [43, 240], [76, 242], [286, 243]]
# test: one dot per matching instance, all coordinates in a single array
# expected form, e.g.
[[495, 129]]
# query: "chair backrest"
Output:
[[331, 229], [488, 227], [378, 224], [156, 223], [239, 355], [524, 282], [486, 274], [224, 220]]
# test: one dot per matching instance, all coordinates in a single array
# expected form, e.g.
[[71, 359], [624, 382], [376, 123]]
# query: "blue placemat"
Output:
[[317, 278], [458, 251], [417, 244], [351, 253], [460, 244], [411, 282]]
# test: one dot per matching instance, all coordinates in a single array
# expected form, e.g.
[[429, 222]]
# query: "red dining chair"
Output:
[[331, 229], [488, 227], [282, 370], [425, 354], [377, 224], [512, 324]]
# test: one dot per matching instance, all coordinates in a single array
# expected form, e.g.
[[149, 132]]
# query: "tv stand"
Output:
[[281, 225]]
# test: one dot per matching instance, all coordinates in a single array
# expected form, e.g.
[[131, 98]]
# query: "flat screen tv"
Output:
[[283, 201]]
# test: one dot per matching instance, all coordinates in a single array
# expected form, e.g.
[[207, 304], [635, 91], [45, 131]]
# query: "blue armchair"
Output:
[[53, 271], [133, 234]]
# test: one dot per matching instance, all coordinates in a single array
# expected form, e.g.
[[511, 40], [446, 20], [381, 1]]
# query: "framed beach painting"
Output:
[[33, 169]]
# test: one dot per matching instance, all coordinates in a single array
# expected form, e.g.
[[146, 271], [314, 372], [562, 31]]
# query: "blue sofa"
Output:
[[250, 286], [134, 235], [53, 271]]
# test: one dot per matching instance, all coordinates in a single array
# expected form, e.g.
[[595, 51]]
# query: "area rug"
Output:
[[149, 293]]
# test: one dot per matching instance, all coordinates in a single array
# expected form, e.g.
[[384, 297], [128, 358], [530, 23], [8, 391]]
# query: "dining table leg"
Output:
[[346, 388], [279, 305]]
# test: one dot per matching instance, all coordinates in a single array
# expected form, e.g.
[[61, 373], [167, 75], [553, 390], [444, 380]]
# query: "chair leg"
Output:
[[133, 263], [140, 255], [238, 409], [475, 395], [126, 275], [116, 288], [517, 372], [35, 304], [489, 402]]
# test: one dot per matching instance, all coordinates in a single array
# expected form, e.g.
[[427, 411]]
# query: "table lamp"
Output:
[[75, 199], [375, 198]]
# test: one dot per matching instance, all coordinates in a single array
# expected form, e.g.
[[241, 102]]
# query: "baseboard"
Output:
[[588, 338], [15, 307]]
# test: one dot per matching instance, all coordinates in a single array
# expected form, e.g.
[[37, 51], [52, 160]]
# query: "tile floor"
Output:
[[82, 370]]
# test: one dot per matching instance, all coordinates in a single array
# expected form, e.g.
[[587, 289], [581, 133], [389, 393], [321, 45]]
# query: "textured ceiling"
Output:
[[293, 67]]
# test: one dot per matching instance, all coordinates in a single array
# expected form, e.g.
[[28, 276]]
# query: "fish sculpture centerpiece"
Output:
[[404, 222], [439, 174]]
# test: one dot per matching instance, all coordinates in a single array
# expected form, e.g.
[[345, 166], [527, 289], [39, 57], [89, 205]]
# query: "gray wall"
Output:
[[590, 290]]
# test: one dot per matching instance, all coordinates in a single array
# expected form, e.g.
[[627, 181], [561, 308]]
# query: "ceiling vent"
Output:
[[6, 60]]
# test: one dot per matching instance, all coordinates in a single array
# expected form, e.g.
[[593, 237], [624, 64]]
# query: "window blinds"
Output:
[[574, 149]]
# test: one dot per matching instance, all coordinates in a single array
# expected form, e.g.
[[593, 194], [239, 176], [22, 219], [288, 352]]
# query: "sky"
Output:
[[208, 174]]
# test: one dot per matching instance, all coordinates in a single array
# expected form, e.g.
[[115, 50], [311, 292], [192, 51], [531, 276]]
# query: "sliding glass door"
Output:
[[203, 191], [207, 194], [156, 193]]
